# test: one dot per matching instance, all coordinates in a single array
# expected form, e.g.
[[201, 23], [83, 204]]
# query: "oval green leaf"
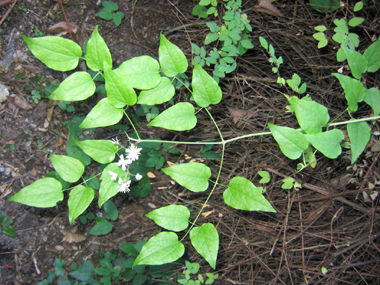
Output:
[[140, 72], [179, 117], [56, 52], [97, 52], [354, 90], [102, 151], [205, 240], [102, 115], [160, 249], [172, 59], [372, 98], [80, 198], [194, 176], [357, 62], [109, 188], [311, 115], [359, 134], [243, 195], [102, 228], [78, 86], [43, 193], [119, 93], [328, 142], [292, 143], [372, 55], [173, 217], [205, 90], [162, 93], [355, 21], [69, 168]]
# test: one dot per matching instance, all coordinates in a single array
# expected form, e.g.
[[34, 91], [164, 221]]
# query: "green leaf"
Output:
[[105, 14], [102, 228], [325, 6], [110, 6], [102, 151], [80, 198], [69, 168], [205, 90], [84, 272], [357, 62], [265, 176], [162, 93], [119, 92], [111, 210], [78, 86], [263, 42], [321, 38], [204, 2], [355, 21], [292, 143], [179, 117], [140, 72], [56, 52], [288, 183], [108, 187], [320, 28], [357, 8], [311, 115], [205, 240], [211, 37], [58, 266], [173, 217], [372, 98], [353, 89], [43, 193], [243, 195], [171, 58], [328, 142], [117, 18], [372, 55], [97, 52], [194, 176], [200, 11], [161, 248], [246, 44], [102, 115], [359, 134]]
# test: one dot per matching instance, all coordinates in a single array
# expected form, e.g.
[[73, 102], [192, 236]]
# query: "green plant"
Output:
[[193, 268], [38, 33], [233, 34], [5, 225], [36, 96], [144, 73], [109, 13], [22, 8]]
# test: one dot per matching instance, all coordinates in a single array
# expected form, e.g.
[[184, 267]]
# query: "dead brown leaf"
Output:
[[19, 102], [238, 114], [70, 237], [61, 28], [266, 6], [49, 115], [205, 214]]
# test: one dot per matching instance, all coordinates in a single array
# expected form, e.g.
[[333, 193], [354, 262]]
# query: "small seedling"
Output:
[[6, 227], [36, 96], [38, 33], [109, 13]]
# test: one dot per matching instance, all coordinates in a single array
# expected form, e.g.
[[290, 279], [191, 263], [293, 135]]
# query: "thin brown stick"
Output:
[[8, 11], [67, 22]]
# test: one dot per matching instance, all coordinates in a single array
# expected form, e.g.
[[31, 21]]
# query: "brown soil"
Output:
[[326, 223]]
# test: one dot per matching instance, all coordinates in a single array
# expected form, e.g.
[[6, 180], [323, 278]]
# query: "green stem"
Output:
[[133, 126]]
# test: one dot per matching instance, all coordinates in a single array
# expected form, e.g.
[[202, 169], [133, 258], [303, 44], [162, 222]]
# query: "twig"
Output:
[[8, 11], [67, 22]]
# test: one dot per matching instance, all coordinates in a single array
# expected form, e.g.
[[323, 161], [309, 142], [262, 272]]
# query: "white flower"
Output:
[[133, 152], [124, 187], [115, 141], [123, 163], [138, 176], [113, 175]]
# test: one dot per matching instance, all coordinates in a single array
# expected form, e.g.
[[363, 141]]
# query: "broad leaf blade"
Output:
[[292, 143], [205, 240], [311, 115], [179, 117], [69, 168], [328, 142], [373, 56], [353, 89], [102, 115], [173, 217], [205, 90], [80, 198], [172, 59], [78, 86], [162, 93], [109, 188], [102, 151], [161, 248], [357, 62], [372, 98], [102, 228], [194, 176], [43, 193], [243, 195], [56, 52], [97, 52], [359, 134], [140, 72], [119, 93]]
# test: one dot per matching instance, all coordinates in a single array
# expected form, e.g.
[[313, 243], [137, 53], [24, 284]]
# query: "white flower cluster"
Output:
[[132, 154]]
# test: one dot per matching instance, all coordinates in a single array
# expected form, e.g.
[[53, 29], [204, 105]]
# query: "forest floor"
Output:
[[329, 221]]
